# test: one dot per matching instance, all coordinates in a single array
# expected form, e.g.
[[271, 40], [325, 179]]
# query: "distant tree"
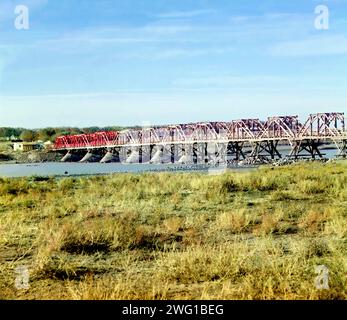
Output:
[[7, 133], [50, 134], [112, 128], [90, 130], [42, 135], [45, 134], [28, 135], [15, 132], [60, 132], [3, 133], [74, 130]]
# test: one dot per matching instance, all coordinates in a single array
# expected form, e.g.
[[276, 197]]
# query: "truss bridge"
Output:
[[212, 142]]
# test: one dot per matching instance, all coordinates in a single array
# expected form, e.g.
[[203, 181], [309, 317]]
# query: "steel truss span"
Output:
[[211, 142]]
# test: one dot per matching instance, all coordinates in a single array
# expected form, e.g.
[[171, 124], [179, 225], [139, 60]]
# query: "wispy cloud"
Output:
[[185, 14], [186, 53], [241, 28], [229, 81], [109, 36], [314, 46]]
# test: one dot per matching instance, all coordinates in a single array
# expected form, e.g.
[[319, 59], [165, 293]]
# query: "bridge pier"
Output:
[[151, 148], [342, 148], [235, 148], [215, 153], [88, 156], [271, 148], [92, 156], [173, 153], [200, 153], [67, 157], [267, 146], [195, 153], [158, 156], [72, 156], [184, 156], [111, 156], [140, 154], [311, 147], [205, 153], [133, 155]]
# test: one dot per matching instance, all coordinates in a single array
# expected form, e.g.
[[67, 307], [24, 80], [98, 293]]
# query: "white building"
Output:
[[26, 146]]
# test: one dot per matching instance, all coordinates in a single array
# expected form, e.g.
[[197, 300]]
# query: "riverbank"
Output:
[[238, 235], [35, 156]]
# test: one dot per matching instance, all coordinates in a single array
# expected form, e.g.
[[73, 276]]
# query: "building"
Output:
[[48, 145], [26, 146]]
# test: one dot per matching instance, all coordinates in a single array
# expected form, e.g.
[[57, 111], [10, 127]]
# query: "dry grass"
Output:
[[255, 235]]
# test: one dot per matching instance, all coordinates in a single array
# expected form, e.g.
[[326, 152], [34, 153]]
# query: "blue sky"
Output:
[[128, 62]]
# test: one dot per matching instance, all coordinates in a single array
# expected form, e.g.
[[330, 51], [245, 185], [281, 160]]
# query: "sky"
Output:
[[133, 62]]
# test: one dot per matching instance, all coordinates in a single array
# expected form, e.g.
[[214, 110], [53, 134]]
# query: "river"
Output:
[[75, 169]]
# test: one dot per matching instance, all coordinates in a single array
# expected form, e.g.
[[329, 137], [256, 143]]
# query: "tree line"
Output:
[[48, 134]]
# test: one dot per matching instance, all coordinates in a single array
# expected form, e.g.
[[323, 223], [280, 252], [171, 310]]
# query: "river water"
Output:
[[73, 169]]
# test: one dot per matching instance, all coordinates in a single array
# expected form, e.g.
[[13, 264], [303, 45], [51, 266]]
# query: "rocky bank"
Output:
[[28, 157]]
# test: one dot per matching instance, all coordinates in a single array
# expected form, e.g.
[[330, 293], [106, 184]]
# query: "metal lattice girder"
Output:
[[176, 134], [149, 136], [223, 130], [281, 127], [324, 125], [61, 143], [102, 138], [246, 129], [129, 137], [203, 132]]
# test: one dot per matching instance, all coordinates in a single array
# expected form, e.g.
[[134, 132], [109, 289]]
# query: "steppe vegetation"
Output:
[[253, 235]]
